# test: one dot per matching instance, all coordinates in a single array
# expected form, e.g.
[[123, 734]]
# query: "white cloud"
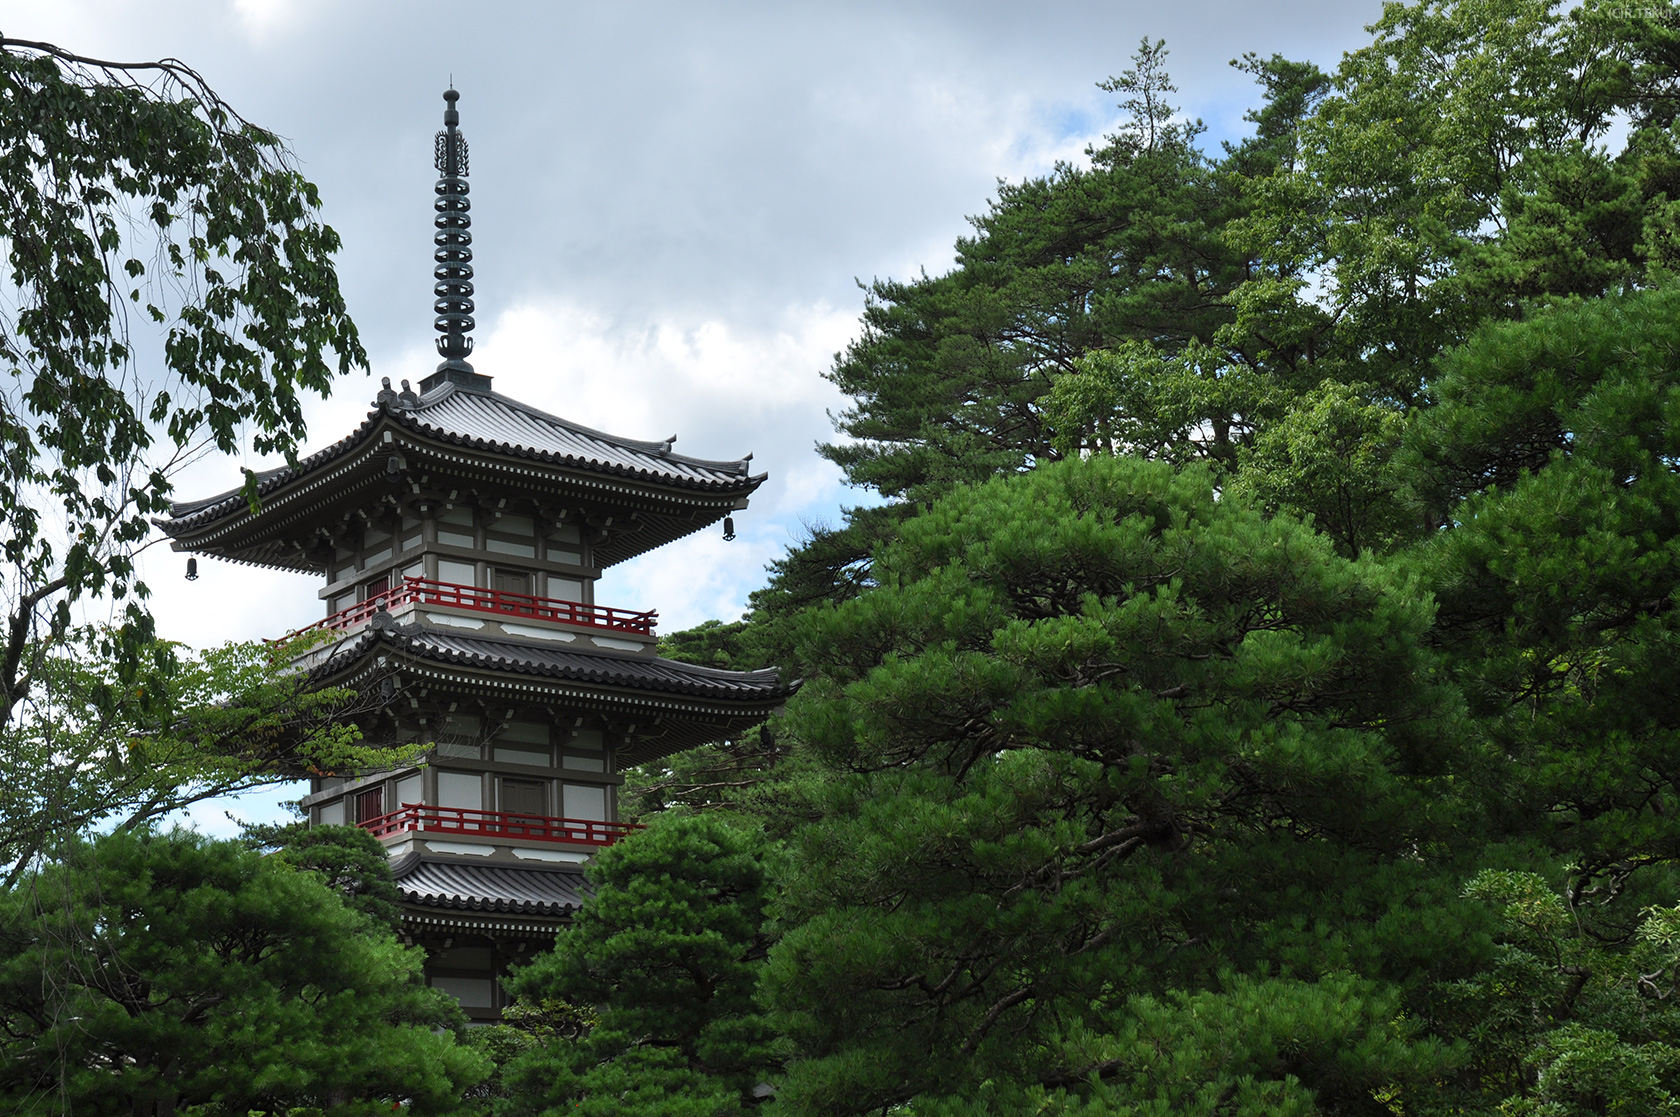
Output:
[[694, 579], [813, 484], [637, 378], [261, 16], [724, 389]]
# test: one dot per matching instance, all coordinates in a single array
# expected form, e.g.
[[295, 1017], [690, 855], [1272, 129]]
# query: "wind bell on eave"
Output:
[[454, 289]]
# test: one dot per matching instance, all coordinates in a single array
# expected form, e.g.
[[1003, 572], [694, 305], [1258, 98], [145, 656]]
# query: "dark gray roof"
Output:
[[664, 675], [493, 423], [489, 421], [467, 886]]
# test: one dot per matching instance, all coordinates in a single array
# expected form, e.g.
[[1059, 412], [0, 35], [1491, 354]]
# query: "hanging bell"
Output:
[[728, 528], [192, 568]]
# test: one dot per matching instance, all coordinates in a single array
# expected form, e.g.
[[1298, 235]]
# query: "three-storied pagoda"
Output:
[[460, 534]]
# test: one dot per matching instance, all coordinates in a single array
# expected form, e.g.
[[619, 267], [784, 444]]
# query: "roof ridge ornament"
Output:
[[453, 256]]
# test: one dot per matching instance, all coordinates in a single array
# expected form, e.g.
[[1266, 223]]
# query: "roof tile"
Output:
[[493, 423], [497, 888], [505, 655]]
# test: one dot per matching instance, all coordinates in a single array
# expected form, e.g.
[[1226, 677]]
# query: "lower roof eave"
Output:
[[727, 716], [417, 920], [376, 655]]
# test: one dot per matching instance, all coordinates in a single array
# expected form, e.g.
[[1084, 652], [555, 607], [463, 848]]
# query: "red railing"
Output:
[[501, 824], [428, 591]]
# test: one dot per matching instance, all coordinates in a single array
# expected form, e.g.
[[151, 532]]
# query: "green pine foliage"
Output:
[[1260, 704], [1558, 579], [1173, 302], [162, 973], [1255, 695], [668, 951], [351, 862], [1105, 749], [1125, 789], [949, 372]]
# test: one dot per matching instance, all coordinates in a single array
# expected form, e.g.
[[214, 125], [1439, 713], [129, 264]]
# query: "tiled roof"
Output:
[[490, 888], [667, 675], [492, 423], [486, 420]]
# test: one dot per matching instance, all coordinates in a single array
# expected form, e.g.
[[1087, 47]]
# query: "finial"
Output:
[[453, 240]]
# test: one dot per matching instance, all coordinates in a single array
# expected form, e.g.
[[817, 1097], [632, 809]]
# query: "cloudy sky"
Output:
[[672, 204]]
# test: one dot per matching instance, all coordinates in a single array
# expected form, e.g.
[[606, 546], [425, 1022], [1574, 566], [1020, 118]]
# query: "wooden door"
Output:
[[515, 588], [525, 797]]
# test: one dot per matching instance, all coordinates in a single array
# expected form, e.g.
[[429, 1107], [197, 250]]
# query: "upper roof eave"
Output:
[[647, 462]]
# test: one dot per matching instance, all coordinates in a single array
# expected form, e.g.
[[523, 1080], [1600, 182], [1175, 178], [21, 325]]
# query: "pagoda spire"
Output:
[[454, 273]]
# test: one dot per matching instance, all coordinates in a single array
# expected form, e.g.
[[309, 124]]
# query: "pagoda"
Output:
[[458, 535]]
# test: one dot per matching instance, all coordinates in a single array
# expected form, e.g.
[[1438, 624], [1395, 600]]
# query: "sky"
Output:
[[673, 206]]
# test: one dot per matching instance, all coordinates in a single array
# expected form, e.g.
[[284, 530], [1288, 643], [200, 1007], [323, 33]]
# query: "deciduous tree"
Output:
[[168, 288], [97, 745]]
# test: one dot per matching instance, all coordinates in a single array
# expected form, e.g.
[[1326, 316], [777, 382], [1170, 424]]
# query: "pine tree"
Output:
[[1105, 759], [665, 958], [162, 973]]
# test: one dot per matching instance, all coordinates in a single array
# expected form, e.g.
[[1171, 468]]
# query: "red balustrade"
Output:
[[429, 591], [501, 824]]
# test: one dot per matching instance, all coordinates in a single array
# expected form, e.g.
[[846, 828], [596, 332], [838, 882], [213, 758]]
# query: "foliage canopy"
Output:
[[156, 973], [1256, 692]]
